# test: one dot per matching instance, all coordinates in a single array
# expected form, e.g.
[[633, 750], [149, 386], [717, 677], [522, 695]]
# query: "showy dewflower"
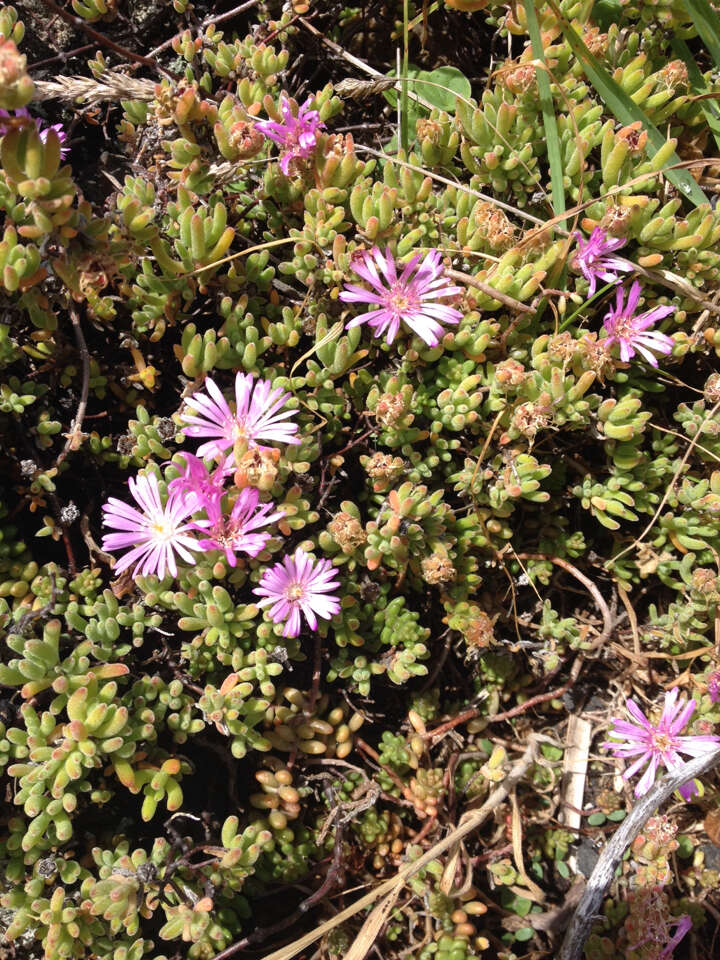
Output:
[[198, 481], [258, 415], [41, 128], [658, 744], [299, 584], [404, 299], [632, 333], [592, 261], [234, 532], [297, 135], [156, 534]]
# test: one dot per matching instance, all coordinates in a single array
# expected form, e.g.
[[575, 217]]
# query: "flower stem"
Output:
[[598, 293]]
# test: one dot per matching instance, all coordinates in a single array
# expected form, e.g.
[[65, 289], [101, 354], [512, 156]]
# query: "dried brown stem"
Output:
[[261, 934], [470, 822], [588, 584], [509, 714], [81, 24], [75, 433], [489, 291]]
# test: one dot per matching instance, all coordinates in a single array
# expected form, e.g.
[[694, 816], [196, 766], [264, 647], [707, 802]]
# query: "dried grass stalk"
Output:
[[112, 86]]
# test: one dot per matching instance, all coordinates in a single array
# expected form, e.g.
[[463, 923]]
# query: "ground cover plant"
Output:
[[359, 479]]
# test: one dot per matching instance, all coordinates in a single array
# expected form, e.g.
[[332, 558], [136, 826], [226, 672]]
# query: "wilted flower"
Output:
[[297, 135], [236, 532], [41, 128], [156, 533], [631, 332], [404, 299], [258, 415], [658, 745], [299, 584], [592, 261], [713, 685]]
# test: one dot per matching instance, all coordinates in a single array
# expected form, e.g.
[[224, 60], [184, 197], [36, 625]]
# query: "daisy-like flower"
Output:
[[198, 481], [258, 415], [592, 258], [237, 532], [41, 128], [658, 744], [299, 584], [156, 532], [405, 298], [296, 135], [631, 333]]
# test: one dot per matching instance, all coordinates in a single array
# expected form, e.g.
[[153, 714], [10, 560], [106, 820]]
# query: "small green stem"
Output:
[[598, 293]]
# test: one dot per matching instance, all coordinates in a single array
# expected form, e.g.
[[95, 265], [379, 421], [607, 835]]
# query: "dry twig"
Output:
[[591, 901]]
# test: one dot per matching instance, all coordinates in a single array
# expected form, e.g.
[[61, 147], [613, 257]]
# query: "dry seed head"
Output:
[[390, 408], [347, 532], [711, 391], [531, 417], [510, 373], [596, 42], [520, 80], [437, 569], [616, 220], [257, 468], [429, 130], [246, 139], [675, 75], [480, 632], [494, 225], [383, 469]]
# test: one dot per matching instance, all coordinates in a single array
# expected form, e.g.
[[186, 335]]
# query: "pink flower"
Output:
[[41, 128], [297, 136], [298, 584], [198, 481], [658, 745], [631, 332], [156, 534], [257, 416], [234, 533], [592, 261], [403, 299], [713, 685]]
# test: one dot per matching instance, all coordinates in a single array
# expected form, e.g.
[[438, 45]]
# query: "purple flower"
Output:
[[156, 534], [198, 481], [658, 745], [299, 584], [258, 415], [297, 135], [592, 261], [405, 298], [41, 128], [234, 533], [631, 332]]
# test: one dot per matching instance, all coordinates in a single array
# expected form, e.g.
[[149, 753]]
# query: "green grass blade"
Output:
[[548, 112], [404, 138], [625, 110], [710, 109], [705, 21]]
